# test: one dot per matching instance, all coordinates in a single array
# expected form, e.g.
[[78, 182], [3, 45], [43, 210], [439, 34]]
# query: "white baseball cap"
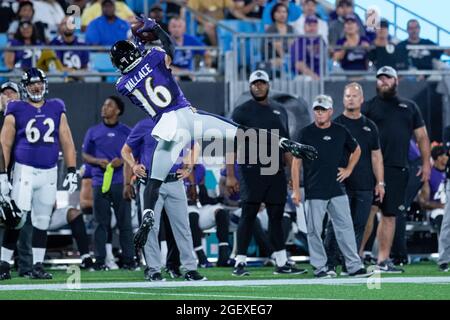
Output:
[[10, 85], [258, 75], [387, 71], [323, 101]]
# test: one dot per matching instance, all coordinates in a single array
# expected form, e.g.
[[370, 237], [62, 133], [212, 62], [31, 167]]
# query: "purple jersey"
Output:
[[105, 142], [151, 86], [437, 182], [143, 144], [23, 59], [36, 143], [75, 59]]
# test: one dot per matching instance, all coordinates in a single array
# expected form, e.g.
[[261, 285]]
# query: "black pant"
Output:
[[173, 255], [102, 214], [360, 203], [399, 249]]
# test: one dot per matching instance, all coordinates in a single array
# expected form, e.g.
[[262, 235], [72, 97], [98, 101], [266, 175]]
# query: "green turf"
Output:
[[354, 291]]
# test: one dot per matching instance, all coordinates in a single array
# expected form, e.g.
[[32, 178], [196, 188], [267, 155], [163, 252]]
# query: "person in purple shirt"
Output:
[[148, 82], [26, 35], [33, 131], [306, 51], [101, 147], [71, 59], [108, 28], [141, 145], [352, 58]]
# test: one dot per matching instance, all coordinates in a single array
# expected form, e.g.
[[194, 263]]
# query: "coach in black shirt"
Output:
[[324, 187], [261, 182], [361, 185], [397, 120]]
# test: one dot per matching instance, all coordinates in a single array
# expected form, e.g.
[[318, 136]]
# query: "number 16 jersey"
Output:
[[151, 85], [36, 143]]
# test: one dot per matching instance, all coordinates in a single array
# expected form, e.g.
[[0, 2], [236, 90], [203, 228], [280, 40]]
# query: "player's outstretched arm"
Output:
[[7, 136]]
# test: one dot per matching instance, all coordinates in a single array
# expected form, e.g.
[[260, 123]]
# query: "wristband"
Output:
[[71, 170], [382, 184]]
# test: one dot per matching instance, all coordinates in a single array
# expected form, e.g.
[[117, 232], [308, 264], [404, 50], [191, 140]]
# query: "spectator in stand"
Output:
[[23, 59], [432, 195], [71, 59], [25, 12], [156, 12], [108, 28], [306, 50], [95, 10], [294, 12], [352, 58], [251, 9], [422, 59], [51, 13], [183, 60], [277, 49], [310, 9], [336, 27], [7, 15], [386, 53], [216, 9]]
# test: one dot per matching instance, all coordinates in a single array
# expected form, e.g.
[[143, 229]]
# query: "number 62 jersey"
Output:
[[151, 86], [36, 143]]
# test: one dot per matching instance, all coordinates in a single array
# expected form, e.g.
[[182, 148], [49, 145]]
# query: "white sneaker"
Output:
[[111, 264]]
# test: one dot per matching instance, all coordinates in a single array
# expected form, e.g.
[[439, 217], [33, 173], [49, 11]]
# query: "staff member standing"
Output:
[[444, 237], [367, 177], [397, 120], [256, 187], [102, 145], [324, 188]]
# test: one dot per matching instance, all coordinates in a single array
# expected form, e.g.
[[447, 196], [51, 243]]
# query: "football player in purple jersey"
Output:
[[148, 82], [32, 134]]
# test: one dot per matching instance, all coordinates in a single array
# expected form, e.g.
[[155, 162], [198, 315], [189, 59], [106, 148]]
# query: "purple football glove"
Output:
[[149, 24]]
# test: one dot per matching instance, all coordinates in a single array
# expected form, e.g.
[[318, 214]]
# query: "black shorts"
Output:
[[257, 188], [396, 180]]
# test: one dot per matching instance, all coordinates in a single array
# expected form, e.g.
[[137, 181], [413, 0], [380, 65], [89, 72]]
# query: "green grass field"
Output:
[[420, 282]]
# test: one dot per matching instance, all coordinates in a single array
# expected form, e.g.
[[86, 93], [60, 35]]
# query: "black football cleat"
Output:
[[194, 276], [140, 238], [240, 271], [299, 150], [287, 269], [38, 272], [5, 270]]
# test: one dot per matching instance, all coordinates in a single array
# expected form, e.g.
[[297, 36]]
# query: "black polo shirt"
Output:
[[396, 119], [320, 175], [256, 115], [366, 134]]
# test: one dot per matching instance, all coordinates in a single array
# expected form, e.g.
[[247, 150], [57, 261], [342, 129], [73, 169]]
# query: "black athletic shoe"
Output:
[[38, 272], [87, 264], [26, 274], [443, 267], [288, 269], [140, 238], [332, 272], [133, 266], [239, 270], [299, 150], [388, 267], [361, 273], [5, 270], [100, 266], [156, 277], [194, 276], [322, 275], [174, 273]]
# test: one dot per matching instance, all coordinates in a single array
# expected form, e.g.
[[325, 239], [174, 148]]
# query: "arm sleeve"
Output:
[[88, 144], [418, 119], [238, 116]]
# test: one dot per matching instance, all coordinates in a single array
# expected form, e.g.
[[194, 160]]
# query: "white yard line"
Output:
[[229, 283], [181, 294]]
